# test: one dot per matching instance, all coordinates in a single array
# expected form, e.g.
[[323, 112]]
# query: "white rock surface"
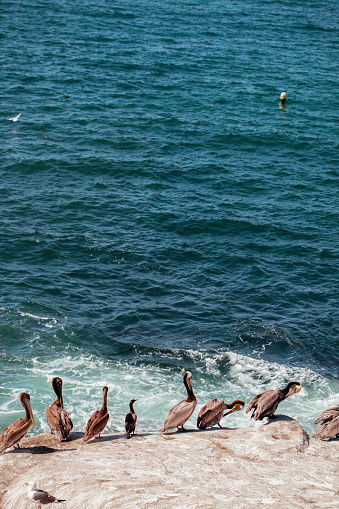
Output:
[[275, 465]]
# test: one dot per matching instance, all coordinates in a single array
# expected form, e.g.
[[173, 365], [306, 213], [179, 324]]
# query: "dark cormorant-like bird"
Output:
[[130, 420]]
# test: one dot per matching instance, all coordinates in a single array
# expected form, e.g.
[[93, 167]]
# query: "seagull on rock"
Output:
[[40, 497]]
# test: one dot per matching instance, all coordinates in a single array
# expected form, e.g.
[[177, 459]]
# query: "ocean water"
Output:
[[160, 212]]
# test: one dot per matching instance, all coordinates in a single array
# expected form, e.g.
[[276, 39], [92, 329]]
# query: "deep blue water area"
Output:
[[161, 211]]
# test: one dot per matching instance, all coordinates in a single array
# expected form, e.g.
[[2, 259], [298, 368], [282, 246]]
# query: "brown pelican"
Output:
[[212, 413], [40, 496], [182, 411], [130, 420], [57, 418], [12, 435], [96, 424], [329, 428], [266, 403]]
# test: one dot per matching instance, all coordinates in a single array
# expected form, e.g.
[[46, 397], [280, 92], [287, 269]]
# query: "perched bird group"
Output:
[[263, 405], [60, 421]]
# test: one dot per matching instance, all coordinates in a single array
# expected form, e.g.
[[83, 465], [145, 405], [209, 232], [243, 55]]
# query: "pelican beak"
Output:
[[227, 413], [189, 383], [234, 409], [31, 414], [30, 411], [294, 389]]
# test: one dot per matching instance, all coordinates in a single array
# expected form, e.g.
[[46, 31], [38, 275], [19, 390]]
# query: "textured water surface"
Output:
[[160, 212]]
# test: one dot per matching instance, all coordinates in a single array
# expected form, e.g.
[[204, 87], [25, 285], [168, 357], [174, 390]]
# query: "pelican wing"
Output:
[[208, 406], [328, 415], [43, 497], [91, 420], [59, 421], [50, 416], [211, 413], [254, 401], [66, 423], [179, 414], [330, 430], [97, 427], [266, 404], [14, 433]]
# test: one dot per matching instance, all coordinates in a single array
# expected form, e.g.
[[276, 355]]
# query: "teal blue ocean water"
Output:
[[161, 212]]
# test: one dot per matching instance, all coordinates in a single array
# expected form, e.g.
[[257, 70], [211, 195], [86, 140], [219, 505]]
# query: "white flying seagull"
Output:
[[15, 118], [40, 497]]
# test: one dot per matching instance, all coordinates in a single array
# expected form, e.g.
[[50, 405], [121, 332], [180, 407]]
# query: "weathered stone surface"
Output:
[[274, 465]]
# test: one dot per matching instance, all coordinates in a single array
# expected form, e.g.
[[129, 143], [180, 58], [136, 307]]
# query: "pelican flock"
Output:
[[263, 405]]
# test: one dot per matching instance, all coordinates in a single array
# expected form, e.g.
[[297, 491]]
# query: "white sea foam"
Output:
[[38, 317]]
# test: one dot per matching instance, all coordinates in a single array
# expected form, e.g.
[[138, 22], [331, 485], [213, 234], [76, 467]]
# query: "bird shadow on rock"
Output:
[[277, 418], [104, 438], [113, 438], [196, 430], [214, 428], [38, 449], [75, 435]]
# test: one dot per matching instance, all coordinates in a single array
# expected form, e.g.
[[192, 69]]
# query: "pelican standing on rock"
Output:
[[212, 413], [96, 424], [58, 419], [183, 410], [40, 496], [130, 420], [266, 403], [12, 435], [329, 428]]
